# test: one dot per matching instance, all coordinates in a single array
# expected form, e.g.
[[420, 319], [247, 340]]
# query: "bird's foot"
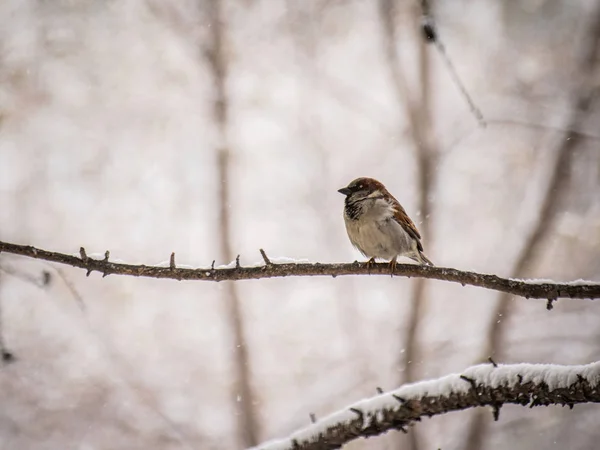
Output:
[[392, 265], [370, 263]]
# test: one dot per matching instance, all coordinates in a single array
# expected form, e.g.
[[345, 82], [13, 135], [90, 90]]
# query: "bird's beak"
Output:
[[345, 191]]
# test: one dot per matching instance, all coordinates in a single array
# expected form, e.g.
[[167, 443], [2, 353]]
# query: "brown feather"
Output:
[[402, 218], [400, 215]]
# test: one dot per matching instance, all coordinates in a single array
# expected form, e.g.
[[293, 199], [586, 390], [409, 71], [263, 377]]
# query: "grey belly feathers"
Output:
[[376, 234], [384, 239]]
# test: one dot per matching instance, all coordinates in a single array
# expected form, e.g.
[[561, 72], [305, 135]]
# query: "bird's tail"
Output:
[[424, 259]]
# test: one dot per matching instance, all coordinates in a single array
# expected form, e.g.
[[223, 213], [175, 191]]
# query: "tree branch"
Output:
[[524, 288], [483, 385]]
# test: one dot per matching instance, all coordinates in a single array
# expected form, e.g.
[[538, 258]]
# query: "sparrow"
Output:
[[378, 225]]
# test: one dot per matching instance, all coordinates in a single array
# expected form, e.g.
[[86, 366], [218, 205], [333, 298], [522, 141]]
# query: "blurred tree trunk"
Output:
[[549, 209], [418, 114], [243, 396], [302, 19]]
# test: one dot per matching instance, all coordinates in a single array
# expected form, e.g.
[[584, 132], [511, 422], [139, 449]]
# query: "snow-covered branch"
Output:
[[546, 289], [482, 385]]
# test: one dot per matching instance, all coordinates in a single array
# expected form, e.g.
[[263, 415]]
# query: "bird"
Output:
[[378, 225]]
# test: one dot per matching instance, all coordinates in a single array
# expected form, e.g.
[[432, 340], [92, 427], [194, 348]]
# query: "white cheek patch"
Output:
[[376, 193]]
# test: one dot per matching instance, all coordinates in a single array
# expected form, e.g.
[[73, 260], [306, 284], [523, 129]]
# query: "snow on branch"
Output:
[[483, 385], [546, 289]]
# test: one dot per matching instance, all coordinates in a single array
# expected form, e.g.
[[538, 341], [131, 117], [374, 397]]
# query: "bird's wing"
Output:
[[404, 221]]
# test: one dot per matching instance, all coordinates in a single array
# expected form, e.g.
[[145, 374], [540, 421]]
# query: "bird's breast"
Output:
[[383, 238]]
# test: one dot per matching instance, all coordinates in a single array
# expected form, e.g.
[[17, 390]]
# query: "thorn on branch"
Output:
[[359, 413], [402, 401], [471, 381], [84, 258], [496, 411], [265, 257], [379, 390], [492, 362], [313, 418], [549, 304], [237, 262], [105, 260]]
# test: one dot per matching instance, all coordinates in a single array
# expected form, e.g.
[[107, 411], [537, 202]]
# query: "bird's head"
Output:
[[363, 188]]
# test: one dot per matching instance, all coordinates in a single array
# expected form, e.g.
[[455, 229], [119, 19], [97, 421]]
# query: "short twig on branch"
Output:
[[265, 258], [482, 385], [522, 288]]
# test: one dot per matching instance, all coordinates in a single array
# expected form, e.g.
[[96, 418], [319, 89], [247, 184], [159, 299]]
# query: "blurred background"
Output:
[[212, 128]]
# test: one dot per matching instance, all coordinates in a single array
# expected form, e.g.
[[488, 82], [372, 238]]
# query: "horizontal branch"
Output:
[[529, 289], [483, 385]]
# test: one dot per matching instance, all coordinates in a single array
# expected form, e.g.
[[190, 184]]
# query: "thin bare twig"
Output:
[[522, 288], [121, 368], [577, 131], [39, 282], [458, 82], [431, 33], [141, 393], [72, 290], [265, 257], [523, 384]]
